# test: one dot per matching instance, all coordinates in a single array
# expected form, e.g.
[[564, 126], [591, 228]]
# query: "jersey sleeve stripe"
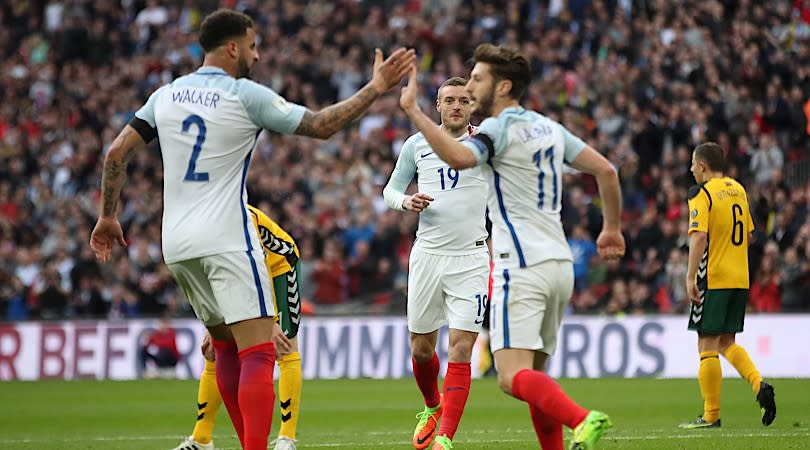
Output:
[[502, 208], [144, 129], [707, 196], [258, 281], [256, 278], [505, 308], [484, 144]]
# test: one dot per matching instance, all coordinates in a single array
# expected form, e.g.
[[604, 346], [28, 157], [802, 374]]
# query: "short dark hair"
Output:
[[506, 64], [712, 154], [221, 26], [452, 81]]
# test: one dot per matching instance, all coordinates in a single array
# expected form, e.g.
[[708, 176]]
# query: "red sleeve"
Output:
[[173, 343]]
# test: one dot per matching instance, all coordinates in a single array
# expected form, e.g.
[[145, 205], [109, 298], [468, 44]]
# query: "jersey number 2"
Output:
[[191, 172], [737, 228]]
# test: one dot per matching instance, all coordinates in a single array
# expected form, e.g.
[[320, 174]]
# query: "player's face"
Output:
[[454, 106], [697, 169], [248, 54], [481, 88]]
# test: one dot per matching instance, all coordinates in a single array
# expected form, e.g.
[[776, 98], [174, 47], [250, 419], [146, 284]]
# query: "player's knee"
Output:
[[505, 382], [422, 352], [461, 351], [725, 341]]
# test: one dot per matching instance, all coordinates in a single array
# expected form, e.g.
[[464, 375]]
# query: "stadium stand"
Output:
[[642, 80]]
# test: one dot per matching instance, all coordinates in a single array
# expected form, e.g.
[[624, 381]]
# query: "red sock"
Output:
[[228, 369], [549, 432], [256, 396], [427, 378], [541, 391], [456, 391]]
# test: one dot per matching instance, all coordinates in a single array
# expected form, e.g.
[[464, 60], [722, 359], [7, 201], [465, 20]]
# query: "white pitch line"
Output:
[[702, 434]]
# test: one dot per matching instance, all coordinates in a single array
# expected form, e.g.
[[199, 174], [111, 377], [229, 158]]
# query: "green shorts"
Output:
[[288, 300], [722, 311]]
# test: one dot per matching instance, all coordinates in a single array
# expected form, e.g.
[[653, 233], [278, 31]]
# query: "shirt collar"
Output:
[[205, 70]]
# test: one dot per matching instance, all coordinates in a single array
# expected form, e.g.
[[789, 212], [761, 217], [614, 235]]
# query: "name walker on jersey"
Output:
[[192, 96]]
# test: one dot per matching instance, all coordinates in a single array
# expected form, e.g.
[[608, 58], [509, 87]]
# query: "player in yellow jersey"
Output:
[[720, 227], [281, 258]]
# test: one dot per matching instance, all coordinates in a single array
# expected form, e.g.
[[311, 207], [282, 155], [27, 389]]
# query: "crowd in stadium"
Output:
[[643, 81]]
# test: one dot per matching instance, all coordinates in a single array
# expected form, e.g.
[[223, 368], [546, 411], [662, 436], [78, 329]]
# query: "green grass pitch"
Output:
[[379, 414]]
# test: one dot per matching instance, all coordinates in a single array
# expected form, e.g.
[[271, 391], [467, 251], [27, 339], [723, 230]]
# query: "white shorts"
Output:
[[528, 304], [447, 290], [226, 288]]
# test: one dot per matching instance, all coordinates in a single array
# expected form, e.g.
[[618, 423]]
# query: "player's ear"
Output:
[[503, 88], [232, 48]]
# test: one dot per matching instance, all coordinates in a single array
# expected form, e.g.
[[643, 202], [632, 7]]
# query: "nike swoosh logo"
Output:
[[424, 155], [479, 322], [424, 439]]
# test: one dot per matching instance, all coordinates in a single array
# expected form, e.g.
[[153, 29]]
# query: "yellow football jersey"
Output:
[[280, 251], [719, 207]]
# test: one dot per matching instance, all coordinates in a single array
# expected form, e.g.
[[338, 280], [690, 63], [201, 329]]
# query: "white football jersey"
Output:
[[207, 123], [455, 221], [523, 153]]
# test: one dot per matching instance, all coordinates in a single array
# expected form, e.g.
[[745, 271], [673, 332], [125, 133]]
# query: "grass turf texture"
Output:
[[379, 414]]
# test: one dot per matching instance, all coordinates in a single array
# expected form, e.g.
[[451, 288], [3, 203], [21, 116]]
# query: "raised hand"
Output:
[[390, 72], [407, 98]]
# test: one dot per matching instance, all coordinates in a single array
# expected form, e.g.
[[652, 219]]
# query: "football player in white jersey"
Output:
[[449, 263], [523, 154], [207, 123]]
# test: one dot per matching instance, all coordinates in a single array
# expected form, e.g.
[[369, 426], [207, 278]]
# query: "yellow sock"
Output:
[[208, 402], [739, 358], [710, 376], [289, 392]]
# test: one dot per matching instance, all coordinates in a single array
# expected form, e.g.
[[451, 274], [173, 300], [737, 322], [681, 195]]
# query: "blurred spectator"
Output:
[[617, 300], [12, 298], [675, 271], [123, 304], [765, 159], [583, 248], [362, 268], [330, 276], [641, 299], [642, 82], [765, 292], [793, 298], [52, 298], [160, 349]]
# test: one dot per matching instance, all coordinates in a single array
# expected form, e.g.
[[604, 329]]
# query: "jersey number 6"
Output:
[[737, 227]]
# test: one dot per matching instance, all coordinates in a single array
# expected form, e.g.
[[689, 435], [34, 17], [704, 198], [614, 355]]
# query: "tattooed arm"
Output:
[[330, 120], [115, 169], [108, 230], [386, 75]]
